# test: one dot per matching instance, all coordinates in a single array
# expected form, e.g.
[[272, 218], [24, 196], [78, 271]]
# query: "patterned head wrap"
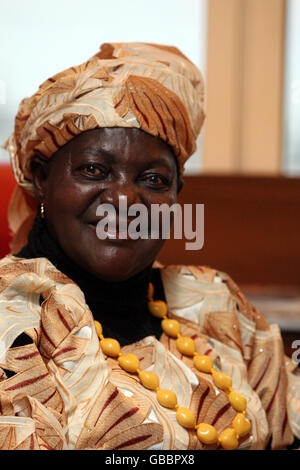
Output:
[[147, 86]]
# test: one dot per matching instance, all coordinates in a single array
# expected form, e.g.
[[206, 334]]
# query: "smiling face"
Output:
[[98, 167]]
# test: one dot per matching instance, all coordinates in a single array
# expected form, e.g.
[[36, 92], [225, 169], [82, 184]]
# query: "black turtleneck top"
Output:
[[121, 307]]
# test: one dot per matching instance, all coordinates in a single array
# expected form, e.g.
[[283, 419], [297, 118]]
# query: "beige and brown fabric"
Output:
[[147, 86], [62, 393]]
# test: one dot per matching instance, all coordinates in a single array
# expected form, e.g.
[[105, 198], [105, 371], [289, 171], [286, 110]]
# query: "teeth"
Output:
[[115, 222]]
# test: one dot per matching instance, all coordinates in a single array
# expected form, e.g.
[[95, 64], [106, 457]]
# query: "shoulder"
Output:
[[13, 267], [12, 263], [200, 276], [193, 280], [31, 290], [206, 291], [193, 272]]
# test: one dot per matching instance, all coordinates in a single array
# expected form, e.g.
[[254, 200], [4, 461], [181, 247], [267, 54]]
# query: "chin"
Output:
[[112, 273], [111, 264], [113, 261]]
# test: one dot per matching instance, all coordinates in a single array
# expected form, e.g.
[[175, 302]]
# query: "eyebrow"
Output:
[[160, 161], [110, 157], [100, 152]]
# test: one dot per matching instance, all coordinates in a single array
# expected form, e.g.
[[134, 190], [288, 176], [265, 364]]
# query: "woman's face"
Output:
[[98, 167]]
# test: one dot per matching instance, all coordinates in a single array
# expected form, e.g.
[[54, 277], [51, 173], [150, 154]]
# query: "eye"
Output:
[[156, 180], [91, 170]]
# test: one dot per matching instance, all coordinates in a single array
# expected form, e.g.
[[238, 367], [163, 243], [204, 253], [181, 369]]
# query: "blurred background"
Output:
[[246, 170]]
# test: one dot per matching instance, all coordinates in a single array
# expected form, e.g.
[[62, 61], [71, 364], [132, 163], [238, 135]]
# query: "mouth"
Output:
[[117, 233]]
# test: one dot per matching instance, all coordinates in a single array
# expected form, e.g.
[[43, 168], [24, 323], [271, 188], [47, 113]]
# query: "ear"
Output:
[[40, 172]]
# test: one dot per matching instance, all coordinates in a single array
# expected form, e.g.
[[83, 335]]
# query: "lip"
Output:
[[113, 235], [116, 221]]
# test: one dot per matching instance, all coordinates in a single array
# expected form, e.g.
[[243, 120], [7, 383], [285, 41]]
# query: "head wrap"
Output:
[[147, 86]]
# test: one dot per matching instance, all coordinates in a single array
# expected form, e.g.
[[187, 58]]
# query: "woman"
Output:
[[84, 363]]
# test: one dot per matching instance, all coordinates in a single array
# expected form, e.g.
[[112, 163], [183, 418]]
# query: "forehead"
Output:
[[121, 144]]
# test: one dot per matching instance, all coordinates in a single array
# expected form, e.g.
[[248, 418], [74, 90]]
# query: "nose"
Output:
[[120, 192]]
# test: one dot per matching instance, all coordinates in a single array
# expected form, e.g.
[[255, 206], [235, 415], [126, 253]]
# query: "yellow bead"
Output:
[[166, 398], [148, 379], [203, 363], [222, 381], [129, 362], [186, 417], [110, 347], [186, 345], [158, 308], [228, 439], [98, 327], [207, 434], [241, 425], [171, 327], [150, 291], [237, 401]]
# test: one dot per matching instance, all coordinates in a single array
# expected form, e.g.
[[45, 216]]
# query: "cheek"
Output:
[[168, 199], [65, 201]]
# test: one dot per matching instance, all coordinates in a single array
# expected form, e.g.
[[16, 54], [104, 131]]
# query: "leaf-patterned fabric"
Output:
[[60, 392]]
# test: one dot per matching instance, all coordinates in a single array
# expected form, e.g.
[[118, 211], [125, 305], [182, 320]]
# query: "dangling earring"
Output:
[[42, 210]]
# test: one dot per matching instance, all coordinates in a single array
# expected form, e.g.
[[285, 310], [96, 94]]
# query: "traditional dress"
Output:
[[59, 391]]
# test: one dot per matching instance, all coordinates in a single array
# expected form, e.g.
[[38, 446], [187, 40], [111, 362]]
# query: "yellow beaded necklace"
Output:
[[207, 434]]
